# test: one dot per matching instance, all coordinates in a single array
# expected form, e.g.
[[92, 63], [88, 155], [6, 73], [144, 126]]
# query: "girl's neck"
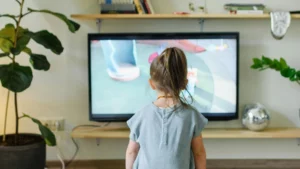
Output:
[[164, 101]]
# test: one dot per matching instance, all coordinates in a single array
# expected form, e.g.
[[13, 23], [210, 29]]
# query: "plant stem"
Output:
[[264, 68], [25, 14], [17, 118], [5, 117], [18, 2], [18, 25], [10, 16], [14, 57]]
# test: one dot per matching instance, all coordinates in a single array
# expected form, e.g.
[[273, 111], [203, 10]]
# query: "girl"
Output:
[[166, 134]]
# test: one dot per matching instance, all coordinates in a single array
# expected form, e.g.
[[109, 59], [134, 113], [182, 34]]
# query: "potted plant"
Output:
[[20, 150], [280, 65]]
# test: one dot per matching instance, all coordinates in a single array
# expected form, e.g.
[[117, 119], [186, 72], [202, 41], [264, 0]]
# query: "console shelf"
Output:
[[172, 16], [122, 132]]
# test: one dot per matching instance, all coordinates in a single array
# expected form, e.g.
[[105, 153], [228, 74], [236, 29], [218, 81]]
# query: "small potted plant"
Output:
[[19, 150], [198, 8]]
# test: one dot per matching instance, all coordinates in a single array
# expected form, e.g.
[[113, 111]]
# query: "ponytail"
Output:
[[169, 71]]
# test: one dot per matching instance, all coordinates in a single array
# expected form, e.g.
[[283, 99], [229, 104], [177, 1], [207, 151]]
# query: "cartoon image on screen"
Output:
[[120, 73]]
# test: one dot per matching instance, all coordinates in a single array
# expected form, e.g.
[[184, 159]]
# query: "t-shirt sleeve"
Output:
[[199, 124], [134, 124]]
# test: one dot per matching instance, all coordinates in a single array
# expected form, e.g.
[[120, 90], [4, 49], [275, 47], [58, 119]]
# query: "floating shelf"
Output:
[[173, 16], [119, 133]]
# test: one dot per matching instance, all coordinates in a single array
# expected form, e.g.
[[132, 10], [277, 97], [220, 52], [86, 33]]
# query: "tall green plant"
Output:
[[280, 65], [14, 40]]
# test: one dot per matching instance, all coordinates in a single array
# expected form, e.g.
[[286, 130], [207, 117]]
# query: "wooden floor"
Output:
[[211, 164]]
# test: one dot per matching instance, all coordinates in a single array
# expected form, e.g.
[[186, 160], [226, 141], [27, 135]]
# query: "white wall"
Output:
[[63, 91]]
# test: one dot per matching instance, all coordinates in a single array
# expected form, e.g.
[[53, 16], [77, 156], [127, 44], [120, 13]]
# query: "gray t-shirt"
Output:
[[165, 135]]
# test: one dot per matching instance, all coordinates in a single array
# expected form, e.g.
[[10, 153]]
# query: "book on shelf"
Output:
[[245, 12], [115, 1], [238, 7], [122, 7], [126, 6], [144, 7], [149, 6], [118, 12], [118, 8], [139, 6]]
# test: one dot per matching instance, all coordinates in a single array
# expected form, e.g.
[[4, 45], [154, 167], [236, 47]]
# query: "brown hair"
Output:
[[169, 72]]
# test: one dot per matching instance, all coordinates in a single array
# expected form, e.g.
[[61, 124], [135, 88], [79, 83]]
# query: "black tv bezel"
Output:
[[140, 36]]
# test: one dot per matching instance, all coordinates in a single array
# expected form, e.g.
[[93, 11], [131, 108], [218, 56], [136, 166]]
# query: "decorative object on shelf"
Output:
[[196, 8], [278, 65], [18, 150], [234, 8], [255, 117], [280, 22]]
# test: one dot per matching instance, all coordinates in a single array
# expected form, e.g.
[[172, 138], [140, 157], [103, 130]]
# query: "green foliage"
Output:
[[47, 134], [14, 77], [22, 41], [192, 7], [39, 62], [5, 45], [8, 32], [277, 65], [14, 40], [48, 40], [73, 26]]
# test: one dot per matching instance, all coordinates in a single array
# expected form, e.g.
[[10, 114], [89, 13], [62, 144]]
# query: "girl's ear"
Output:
[[151, 83]]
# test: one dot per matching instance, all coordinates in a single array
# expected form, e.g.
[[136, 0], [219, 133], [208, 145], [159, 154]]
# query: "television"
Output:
[[119, 63]]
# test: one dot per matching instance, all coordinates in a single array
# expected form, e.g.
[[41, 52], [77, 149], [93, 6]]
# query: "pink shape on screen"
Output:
[[152, 57]]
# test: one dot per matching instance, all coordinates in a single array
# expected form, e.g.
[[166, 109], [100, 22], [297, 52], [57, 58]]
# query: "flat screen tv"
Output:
[[119, 71]]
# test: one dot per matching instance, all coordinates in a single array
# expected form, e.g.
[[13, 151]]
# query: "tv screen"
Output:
[[119, 72]]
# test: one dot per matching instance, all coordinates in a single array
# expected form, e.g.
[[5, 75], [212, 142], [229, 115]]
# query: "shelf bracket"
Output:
[[201, 22], [98, 141], [98, 22]]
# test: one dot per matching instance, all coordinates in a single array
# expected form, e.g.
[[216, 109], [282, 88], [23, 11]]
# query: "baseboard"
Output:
[[211, 164]]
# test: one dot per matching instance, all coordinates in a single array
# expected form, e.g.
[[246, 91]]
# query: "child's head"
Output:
[[169, 73]]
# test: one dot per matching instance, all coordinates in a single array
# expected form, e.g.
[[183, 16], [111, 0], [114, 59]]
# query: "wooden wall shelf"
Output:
[[172, 16], [119, 133]]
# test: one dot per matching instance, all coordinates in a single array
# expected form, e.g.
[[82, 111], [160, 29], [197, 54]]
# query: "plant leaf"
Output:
[[48, 40], [298, 74], [293, 78], [7, 35], [254, 66], [266, 60], [3, 54], [22, 41], [283, 63], [8, 32], [39, 62], [284, 72], [14, 77], [47, 134], [277, 65], [288, 72], [256, 63], [27, 50], [6, 45], [291, 72], [73, 26]]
